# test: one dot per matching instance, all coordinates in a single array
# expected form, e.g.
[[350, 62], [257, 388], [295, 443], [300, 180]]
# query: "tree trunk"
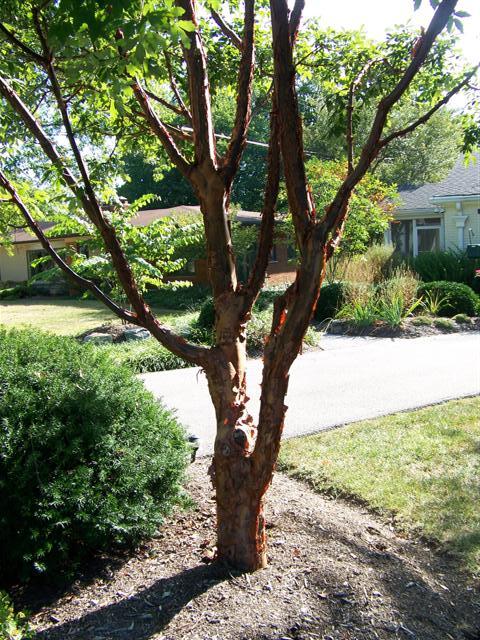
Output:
[[241, 540]]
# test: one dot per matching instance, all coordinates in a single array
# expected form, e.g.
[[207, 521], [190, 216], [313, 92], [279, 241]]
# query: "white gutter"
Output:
[[458, 198]]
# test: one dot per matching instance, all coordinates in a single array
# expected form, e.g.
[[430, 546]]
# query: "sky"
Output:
[[379, 15]]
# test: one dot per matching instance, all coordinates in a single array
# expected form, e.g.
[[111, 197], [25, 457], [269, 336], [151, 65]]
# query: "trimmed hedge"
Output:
[[458, 298], [88, 458], [179, 297]]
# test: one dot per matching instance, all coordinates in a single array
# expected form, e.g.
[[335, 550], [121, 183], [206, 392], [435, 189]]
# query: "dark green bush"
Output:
[[451, 265], [88, 458], [332, 297], [179, 298], [206, 317], [15, 293], [457, 298], [267, 297], [144, 356]]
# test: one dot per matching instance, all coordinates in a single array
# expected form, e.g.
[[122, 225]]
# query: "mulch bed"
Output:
[[335, 572], [408, 329]]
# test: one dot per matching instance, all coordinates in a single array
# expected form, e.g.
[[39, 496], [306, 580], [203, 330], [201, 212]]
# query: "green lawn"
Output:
[[422, 466], [67, 317]]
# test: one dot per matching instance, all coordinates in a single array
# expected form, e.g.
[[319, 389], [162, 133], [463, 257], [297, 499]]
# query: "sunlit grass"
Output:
[[66, 316], [422, 466]]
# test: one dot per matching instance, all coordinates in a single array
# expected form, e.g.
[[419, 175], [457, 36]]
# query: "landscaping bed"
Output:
[[335, 572], [414, 327]]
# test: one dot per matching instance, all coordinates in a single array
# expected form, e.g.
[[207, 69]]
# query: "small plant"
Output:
[[13, 626], [422, 321], [444, 323], [393, 310], [370, 268], [462, 318], [433, 302], [361, 312]]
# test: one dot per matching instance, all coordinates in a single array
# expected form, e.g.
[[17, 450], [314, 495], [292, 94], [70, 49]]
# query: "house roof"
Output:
[[141, 219], [20, 235], [146, 217], [461, 181]]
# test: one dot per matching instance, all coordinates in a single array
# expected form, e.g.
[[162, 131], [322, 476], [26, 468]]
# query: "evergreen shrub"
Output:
[[89, 460]]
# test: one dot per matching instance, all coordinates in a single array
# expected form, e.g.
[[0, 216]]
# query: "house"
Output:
[[439, 216], [16, 266]]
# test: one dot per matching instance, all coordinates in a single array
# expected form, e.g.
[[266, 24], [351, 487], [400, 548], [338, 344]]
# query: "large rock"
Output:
[[98, 338], [136, 334]]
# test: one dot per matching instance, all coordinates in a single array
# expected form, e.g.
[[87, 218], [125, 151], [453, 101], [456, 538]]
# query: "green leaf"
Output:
[[186, 25], [458, 24]]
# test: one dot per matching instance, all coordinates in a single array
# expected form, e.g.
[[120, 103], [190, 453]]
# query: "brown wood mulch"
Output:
[[335, 572]]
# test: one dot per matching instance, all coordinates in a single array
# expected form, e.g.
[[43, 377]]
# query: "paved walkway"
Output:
[[350, 379]]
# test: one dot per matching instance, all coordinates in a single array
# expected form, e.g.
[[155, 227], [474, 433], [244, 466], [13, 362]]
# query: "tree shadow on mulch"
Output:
[[140, 616]]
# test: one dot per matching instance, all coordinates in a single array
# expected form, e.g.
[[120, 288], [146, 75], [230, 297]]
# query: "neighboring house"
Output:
[[439, 216], [16, 266]]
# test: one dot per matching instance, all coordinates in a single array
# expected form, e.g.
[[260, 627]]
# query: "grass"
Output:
[[68, 316], [421, 466]]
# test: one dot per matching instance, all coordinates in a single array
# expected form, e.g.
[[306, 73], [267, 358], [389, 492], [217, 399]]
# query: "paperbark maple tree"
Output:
[[246, 449]]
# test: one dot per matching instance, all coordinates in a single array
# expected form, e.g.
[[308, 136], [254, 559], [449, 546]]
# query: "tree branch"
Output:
[[28, 51], [295, 18], [163, 102], [339, 206], [351, 97], [175, 89], [265, 243], [231, 161], [84, 283], [160, 130], [93, 210], [227, 30], [199, 91], [426, 116], [291, 138]]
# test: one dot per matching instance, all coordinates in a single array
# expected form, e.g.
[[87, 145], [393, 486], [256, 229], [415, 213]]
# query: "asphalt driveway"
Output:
[[350, 379]]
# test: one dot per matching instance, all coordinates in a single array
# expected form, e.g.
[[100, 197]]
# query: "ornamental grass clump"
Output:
[[89, 460]]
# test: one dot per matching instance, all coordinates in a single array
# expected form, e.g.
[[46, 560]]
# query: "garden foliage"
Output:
[[451, 265], [455, 298]]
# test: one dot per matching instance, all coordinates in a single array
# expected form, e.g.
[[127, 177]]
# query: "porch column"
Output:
[[460, 224]]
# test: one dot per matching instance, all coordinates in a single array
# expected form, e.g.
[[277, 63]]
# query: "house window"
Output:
[[427, 235], [402, 237], [411, 237], [39, 268]]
